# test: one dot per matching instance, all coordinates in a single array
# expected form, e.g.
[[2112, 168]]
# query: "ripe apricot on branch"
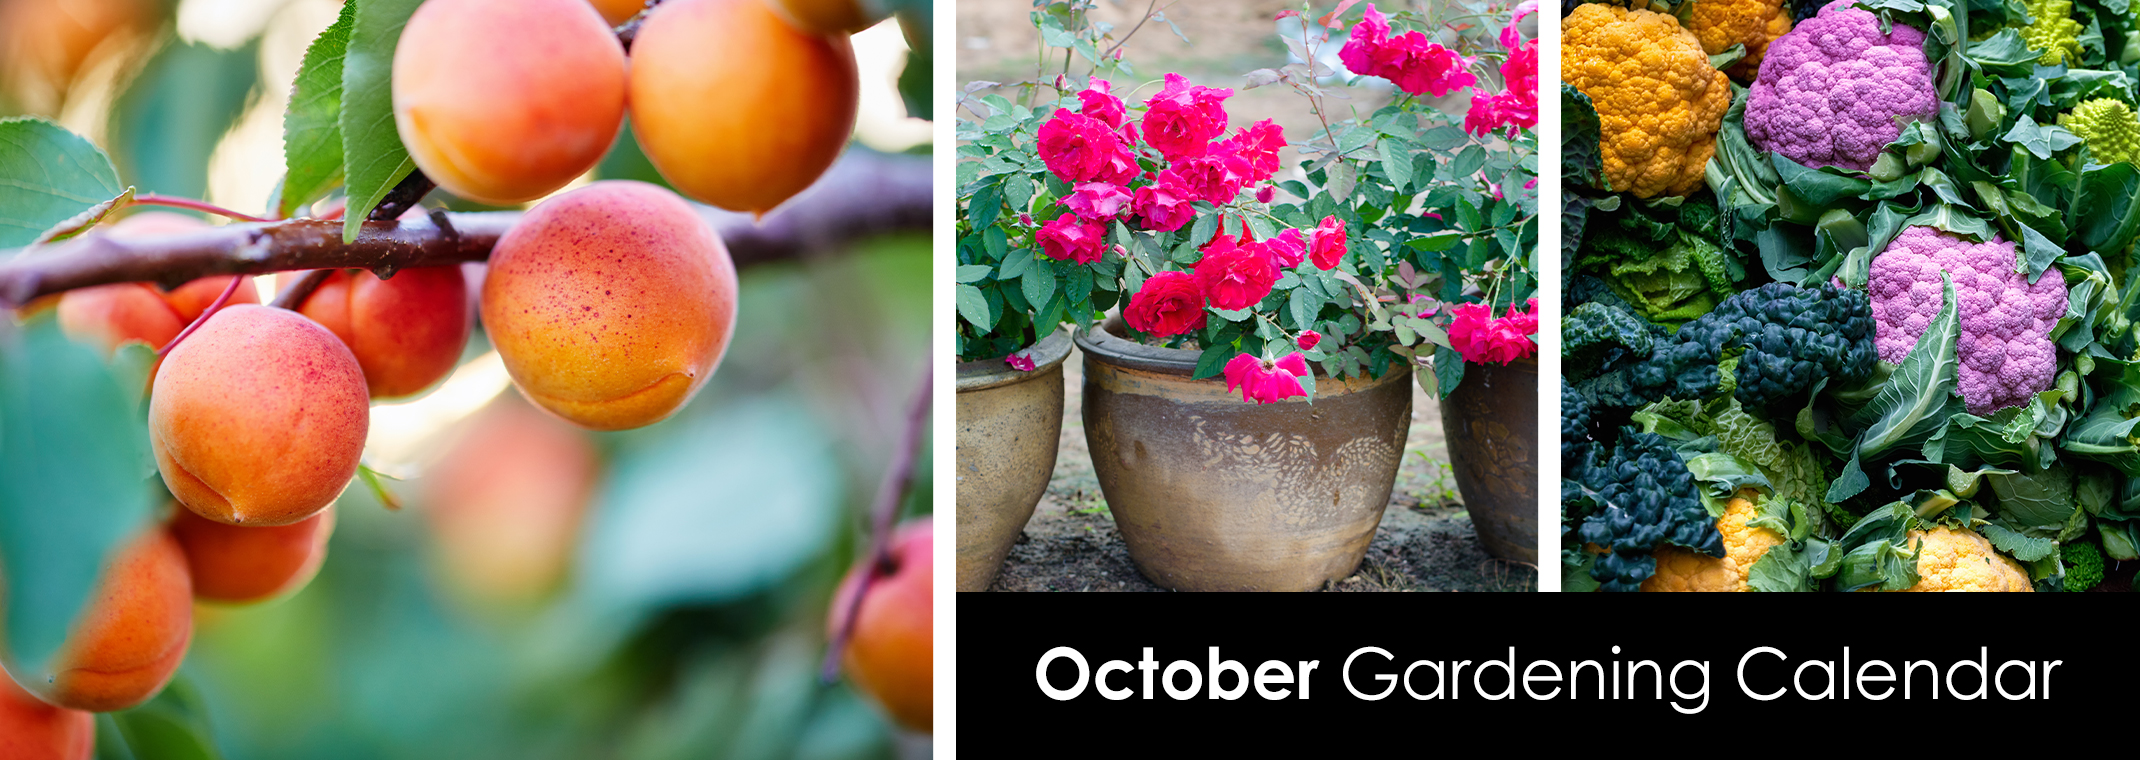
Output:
[[259, 417], [610, 304], [506, 502], [505, 101], [891, 655], [105, 316], [734, 106], [240, 564], [830, 16], [130, 638], [33, 730], [406, 332]]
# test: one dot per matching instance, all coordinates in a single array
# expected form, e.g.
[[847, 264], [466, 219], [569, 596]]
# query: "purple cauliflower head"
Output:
[[2005, 322], [1834, 91]]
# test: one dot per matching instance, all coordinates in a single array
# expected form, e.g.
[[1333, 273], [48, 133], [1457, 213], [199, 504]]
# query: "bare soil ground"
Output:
[[1425, 542]]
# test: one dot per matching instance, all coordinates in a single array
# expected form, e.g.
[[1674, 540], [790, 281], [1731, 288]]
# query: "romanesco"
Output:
[[2053, 30], [2109, 127], [2084, 566]]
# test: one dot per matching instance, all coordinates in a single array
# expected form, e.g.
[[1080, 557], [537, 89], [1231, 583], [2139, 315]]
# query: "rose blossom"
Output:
[[1408, 60], [1482, 339], [1079, 148], [1182, 120], [1234, 275], [1308, 339], [1265, 381], [1515, 107], [1326, 245], [1288, 249], [1265, 193], [1211, 177], [1071, 238], [1170, 303], [1097, 201], [1097, 102], [1258, 145], [1164, 208]]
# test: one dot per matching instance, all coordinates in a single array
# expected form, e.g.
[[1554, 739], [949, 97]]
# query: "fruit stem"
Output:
[[213, 307], [884, 512], [293, 297], [152, 199]]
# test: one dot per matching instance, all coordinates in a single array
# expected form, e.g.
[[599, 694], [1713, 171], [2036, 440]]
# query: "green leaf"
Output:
[[372, 154], [171, 726], [169, 121], [1038, 283], [973, 272], [1448, 369], [47, 176], [1304, 306], [1467, 163], [1214, 359], [2042, 500], [974, 307], [2021, 546], [74, 470], [1396, 161], [1914, 402], [312, 127], [82, 222], [2040, 139], [1581, 160]]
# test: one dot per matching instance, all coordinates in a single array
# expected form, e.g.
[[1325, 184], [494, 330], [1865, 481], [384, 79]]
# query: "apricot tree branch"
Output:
[[863, 194], [891, 492]]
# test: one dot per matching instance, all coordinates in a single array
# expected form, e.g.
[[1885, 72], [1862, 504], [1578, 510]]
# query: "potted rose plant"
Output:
[[1247, 409]]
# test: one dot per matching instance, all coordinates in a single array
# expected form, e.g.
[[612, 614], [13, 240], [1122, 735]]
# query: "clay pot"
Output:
[[1216, 494], [1009, 424], [1491, 422]]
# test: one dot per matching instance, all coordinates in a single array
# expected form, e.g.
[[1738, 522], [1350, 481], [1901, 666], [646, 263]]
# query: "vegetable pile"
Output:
[[1845, 303]]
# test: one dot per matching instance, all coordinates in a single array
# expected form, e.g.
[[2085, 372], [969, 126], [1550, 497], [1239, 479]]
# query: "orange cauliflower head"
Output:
[[1659, 103], [1680, 569], [1952, 559], [1719, 24]]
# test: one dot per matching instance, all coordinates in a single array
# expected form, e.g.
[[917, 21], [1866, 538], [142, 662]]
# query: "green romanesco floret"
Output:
[[2109, 128], [2053, 30], [2084, 566]]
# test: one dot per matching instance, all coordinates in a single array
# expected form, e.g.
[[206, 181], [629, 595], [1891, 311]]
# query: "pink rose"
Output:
[[1265, 193], [1288, 249], [1308, 339], [1097, 201], [1071, 238], [1182, 120], [1213, 177], [1482, 339], [1408, 60], [1097, 102], [1170, 303], [1021, 361], [1326, 245], [1079, 148], [1258, 145], [1235, 276], [1264, 381], [1163, 208], [1515, 107]]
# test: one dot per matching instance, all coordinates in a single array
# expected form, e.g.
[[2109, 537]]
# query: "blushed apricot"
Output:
[[130, 638], [505, 101], [735, 107], [241, 564], [619, 11], [830, 16], [506, 501], [259, 417], [105, 316], [610, 304], [33, 730], [406, 331], [891, 656]]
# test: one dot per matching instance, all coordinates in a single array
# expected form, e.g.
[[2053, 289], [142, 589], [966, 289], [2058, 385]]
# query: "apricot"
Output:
[[105, 316], [505, 101], [891, 655], [619, 11], [242, 564], [57, 41], [830, 16], [33, 730], [735, 107], [406, 331], [259, 417], [506, 501], [131, 636], [610, 304]]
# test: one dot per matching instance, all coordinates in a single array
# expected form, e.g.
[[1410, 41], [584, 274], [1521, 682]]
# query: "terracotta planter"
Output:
[[1214, 494], [1491, 422], [1009, 425]]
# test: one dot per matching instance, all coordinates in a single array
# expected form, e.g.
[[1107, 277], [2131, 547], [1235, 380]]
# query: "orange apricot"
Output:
[[132, 635], [610, 304], [892, 653], [33, 730], [105, 316], [242, 564], [506, 501], [830, 16], [407, 331], [735, 107], [505, 101], [259, 417], [619, 11]]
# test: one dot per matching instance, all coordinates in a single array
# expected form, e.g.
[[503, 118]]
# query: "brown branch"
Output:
[[891, 492], [863, 194]]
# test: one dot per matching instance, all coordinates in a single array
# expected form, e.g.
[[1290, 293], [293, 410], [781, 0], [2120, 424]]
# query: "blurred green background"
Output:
[[689, 619]]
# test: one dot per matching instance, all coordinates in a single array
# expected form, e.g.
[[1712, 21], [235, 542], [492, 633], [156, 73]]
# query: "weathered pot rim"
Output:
[[1048, 353], [1101, 341]]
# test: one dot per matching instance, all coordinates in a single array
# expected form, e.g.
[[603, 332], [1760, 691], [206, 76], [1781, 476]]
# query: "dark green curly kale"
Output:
[[1791, 337], [1644, 497]]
